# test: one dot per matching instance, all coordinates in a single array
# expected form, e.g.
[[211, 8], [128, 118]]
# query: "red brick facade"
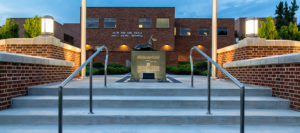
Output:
[[284, 80], [127, 20], [16, 77], [183, 44]]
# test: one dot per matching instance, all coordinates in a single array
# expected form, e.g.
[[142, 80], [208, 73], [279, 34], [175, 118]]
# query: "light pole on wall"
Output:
[[83, 36], [47, 25], [214, 37]]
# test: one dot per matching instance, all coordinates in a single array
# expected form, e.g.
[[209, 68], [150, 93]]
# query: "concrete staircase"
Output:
[[149, 110]]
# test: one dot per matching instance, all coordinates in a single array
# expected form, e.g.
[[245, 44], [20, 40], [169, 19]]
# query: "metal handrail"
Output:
[[64, 83], [239, 84]]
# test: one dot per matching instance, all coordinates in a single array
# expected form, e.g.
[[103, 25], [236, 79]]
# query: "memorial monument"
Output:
[[147, 63]]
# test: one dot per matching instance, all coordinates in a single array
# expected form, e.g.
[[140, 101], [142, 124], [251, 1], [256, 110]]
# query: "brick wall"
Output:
[[270, 71], [284, 79], [44, 50], [16, 77]]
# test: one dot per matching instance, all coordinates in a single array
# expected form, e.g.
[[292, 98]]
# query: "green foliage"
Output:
[[268, 29], [32, 27], [285, 13], [284, 32], [184, 68], [9, 30], [113, 68], [289, 32]]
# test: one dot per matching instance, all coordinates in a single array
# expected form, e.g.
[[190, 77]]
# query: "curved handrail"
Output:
[[64, 83], [239, 84]]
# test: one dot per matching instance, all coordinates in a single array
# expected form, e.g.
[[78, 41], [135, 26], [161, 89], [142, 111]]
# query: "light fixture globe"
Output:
[[47, 25], [251, 27]]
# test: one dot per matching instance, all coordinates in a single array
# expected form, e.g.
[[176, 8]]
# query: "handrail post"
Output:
[[208, 87], [242, 109], [60, 109], [105, 68], [192, 67], [91, 87]]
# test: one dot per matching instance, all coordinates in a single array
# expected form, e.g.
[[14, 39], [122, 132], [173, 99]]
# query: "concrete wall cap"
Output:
[[40, 40], [271, 60], [27, 59], [258, 42]]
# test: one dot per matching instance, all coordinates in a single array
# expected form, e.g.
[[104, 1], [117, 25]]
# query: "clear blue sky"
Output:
[[68, 11]]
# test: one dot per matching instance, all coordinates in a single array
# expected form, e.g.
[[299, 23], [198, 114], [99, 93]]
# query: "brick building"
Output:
[[64, 33], [122, 28]]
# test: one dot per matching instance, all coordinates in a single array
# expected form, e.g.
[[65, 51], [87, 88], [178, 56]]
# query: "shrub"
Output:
[[113, 68], [9, 30], [184, 67], [268, 29], [284, 32], [289, 32], [32, 27]]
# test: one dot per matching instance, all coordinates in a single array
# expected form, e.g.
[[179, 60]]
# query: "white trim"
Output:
[[271, 60], [259, 42], [27, 59], [41, 40]]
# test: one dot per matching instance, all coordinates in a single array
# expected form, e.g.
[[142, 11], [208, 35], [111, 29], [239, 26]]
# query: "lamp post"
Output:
[[47, 25], [214, 37], [83, 36]]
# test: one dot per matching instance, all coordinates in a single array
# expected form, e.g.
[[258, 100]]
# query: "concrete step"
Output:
[[126, 116], [150, 129], [36, 91], [218, 102]]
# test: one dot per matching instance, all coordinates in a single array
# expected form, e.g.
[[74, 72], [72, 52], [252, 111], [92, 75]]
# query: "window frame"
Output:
[[162, 26], [145, 22], [208, 31], [222, 28], [185, 35], [109, 22], [87, 21]]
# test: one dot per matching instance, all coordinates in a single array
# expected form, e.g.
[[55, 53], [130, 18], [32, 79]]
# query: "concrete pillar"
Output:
[[214, 37], [83, 36]]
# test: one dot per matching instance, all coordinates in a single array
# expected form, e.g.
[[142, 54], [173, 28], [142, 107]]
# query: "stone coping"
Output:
[[259, 42], [27, 59], [40, 40], [271, 60]]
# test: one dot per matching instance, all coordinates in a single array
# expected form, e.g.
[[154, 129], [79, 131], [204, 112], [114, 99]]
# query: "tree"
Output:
[[9, 30], [268, 29], [284, 32], [292, 11], [280, 17], [32, 27]]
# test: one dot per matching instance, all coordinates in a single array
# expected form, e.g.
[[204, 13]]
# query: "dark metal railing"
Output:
[[239, 84], [63, 84]]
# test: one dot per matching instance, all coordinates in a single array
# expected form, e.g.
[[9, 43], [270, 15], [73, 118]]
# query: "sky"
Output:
[[68, 11]]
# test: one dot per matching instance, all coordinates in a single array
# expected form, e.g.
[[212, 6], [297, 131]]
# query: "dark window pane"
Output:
[[223, 31], [145, 23], [184, 31], [110, 22], [203, 31], [92, 22]]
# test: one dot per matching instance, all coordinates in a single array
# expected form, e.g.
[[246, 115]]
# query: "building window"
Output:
[[110, 22], [92, 22], [223, 31], [184, 31], [203, 31], [145, 23], [162, 23]]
